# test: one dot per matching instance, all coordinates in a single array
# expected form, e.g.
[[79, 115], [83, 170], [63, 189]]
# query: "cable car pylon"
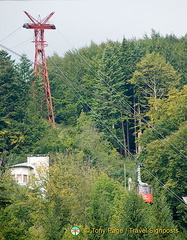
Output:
[[40, 65]]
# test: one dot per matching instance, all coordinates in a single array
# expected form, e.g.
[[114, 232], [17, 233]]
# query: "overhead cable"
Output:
[[10, 34], [121, 144], [124, 102]]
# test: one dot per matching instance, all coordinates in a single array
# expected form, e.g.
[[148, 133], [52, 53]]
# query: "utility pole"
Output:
[[40, 65], [125, 177]]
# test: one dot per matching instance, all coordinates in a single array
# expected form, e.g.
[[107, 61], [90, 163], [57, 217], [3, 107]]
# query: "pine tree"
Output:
[[12, 99], [100, 209], [166, 160], [70, 75], [180, 60], [14, 89], [24, 68], [14, 216], [161, 217], [112, 87], [131, 216]]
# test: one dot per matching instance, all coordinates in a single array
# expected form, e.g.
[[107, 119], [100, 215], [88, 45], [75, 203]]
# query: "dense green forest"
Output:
[[116, 104]]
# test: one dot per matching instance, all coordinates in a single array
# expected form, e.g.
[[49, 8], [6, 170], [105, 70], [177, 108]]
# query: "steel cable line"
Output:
[[144, 120], [78, 86], [9, 50], [121, 108], [89, 107], [168, 189], [124, 102], [117, 140], [21, 43], [92, 93], [10, 34], [121, 144]]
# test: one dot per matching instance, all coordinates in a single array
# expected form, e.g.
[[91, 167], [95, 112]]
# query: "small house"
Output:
[[23, 171]]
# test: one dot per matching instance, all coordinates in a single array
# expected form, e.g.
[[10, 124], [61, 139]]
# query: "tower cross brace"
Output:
[[40, 65]]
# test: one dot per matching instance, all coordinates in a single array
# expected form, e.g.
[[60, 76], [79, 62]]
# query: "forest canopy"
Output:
[[117, 104]]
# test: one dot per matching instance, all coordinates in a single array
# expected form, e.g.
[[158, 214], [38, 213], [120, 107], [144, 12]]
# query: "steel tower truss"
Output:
[[40, 65]]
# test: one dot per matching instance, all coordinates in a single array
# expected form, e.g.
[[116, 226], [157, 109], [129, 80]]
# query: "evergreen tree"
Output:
[[13, 89], [100, 209], [70, 75], [131, 216], [13, 96], [160, 214], [24, 68], [166, 159], [179, 54], [14, 214], [112, 87]]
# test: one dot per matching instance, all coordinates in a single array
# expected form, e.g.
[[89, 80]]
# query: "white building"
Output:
[[35, 164]]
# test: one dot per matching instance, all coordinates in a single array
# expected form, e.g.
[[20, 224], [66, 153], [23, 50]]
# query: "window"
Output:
[[24, 178], [19, 177], [144, 189]]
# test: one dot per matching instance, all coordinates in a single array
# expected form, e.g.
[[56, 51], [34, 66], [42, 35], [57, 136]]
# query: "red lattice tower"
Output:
[[40, 66]]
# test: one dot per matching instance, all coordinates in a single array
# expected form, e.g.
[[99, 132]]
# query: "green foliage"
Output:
[[152, 80], [112, 113], [24, 69], [5, 187], [93, 95], [87, 141], [66, 193], [166, 160], [98, 152], [100, 210], [154, 76], [14, 218], [167, 114], [21, 120], [130, 213], [76, 68], [110, 82], [12, 96], [161, 215], [13, 89], [11, 136]]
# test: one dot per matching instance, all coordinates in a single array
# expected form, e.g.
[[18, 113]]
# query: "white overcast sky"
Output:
[[79, 22]]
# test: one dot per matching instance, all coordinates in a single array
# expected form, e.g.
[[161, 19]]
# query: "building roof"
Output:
[[25, 164]]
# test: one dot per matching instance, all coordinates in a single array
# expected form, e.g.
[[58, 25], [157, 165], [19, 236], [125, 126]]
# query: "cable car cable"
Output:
[[10, 34], [21, 43], [168, 189], [8, 49], [152, 175], [127, 110], [78, 86], [126, 103]]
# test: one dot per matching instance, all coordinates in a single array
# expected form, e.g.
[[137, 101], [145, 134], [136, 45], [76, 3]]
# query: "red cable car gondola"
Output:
[[143, 189], [146, 192]]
